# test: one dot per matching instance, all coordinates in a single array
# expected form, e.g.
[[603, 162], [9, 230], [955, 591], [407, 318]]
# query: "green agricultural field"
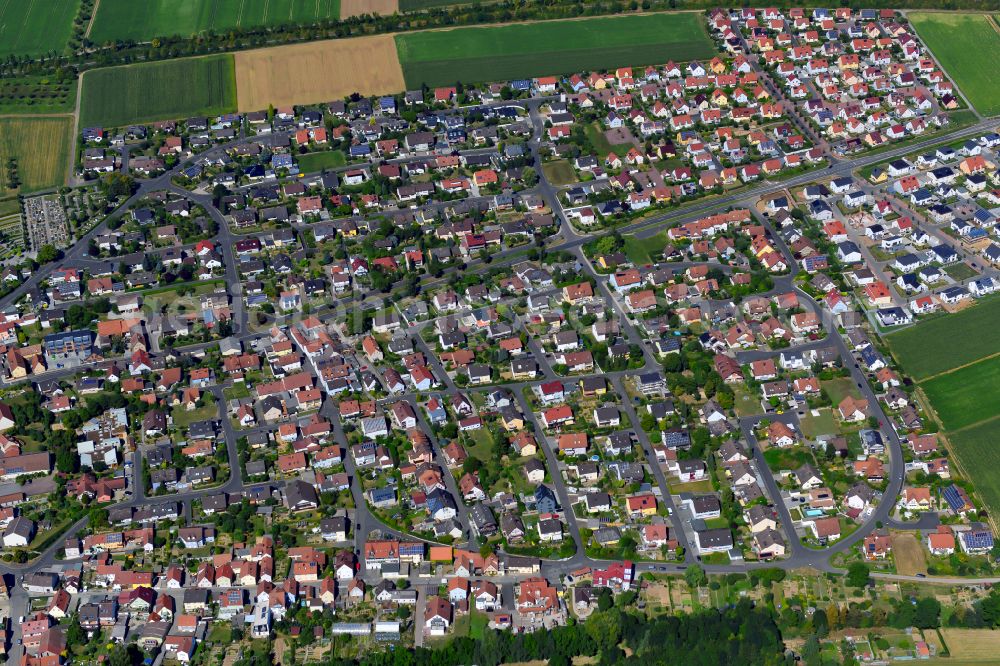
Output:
[[158, 91], [524, 50], [41, 147], [36, 27], [940, 344], [974, 69], [979, 457], [966, 396], [141, 21], [327, 159]]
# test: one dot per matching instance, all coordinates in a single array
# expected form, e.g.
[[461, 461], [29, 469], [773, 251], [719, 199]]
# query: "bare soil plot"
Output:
[[350, 8], [909, 554], [619, 136], [317, 72]]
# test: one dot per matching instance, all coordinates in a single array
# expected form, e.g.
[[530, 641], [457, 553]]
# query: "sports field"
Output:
[[317, 72], [158, 91], [966, 396], [41, 147], [524, 50], [35, 27], [948, 341], [145, 19], [972, 61]]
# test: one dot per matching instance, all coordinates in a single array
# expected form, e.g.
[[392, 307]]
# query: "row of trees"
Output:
[[740, 635]]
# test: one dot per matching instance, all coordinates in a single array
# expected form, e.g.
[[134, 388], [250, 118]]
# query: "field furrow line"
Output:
[[959, 367]]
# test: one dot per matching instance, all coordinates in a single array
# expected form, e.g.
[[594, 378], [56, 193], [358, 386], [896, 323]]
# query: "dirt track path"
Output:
[[93, 17]]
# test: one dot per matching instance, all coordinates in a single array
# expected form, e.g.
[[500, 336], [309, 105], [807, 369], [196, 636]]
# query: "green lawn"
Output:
[[840, 388], [640, 250], [144, 19], [237, 391], [477, 624], [525, 50], [703, 486], [960, 272], [171, 89], [966, 396], [790, 458], [601, 144], [327, 159], [480, 444], [946, 342], [184, 418], [559, 172], [976, 71], [814, 426], [36, 27], [746, 403]]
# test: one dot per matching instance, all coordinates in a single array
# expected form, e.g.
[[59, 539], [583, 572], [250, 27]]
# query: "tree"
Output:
[[927, 614], [821, 626], [811, 652], [695, 576], [48, 253], [858, 574], [116, 185], [75, 635]]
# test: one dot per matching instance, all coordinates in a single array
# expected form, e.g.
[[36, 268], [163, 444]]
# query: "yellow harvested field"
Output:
[[317, 72], [40, 145], [357, 7], [972, 645], [909, 554]]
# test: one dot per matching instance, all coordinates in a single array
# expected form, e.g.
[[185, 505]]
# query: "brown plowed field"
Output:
[[317, 72]]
